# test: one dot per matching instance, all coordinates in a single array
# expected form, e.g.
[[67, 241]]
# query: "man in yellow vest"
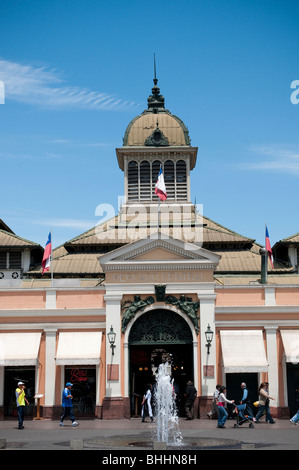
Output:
[[21, 400]]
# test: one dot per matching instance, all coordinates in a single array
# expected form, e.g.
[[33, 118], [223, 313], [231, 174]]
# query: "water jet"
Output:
[[165, 408]]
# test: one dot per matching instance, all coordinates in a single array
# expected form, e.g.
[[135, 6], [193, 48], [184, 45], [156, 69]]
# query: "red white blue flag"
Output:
[[268, 247], [160, 188], [47, 255]]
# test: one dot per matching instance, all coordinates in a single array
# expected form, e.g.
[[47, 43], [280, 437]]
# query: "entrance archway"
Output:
[[159, 336]]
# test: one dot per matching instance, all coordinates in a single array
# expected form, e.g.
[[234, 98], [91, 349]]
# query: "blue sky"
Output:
[[77, 72]]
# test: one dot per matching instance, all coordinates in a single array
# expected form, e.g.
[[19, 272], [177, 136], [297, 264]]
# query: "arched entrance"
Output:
[[158, 336]]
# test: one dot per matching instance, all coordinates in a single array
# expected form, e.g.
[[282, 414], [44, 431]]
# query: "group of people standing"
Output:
[[220, 402], [149, 397]]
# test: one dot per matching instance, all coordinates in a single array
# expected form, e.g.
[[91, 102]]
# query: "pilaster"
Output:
[[271, 340], [50, 371]]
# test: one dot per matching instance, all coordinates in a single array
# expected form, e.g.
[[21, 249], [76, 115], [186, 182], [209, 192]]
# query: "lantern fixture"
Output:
[[209, 337], [111, 337]]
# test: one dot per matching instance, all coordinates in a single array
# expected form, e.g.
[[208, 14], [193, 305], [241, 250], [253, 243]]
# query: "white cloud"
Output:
[[274, 158], [44, 87], [25, 156], [67, 223], [73, 143]]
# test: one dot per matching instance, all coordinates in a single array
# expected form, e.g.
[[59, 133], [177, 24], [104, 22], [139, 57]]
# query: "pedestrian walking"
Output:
[[245, 400], [190, 395], [295, 418], [264, 400], [213, 414], [67, 405], [222, 413], [21, 402], [146, 405]]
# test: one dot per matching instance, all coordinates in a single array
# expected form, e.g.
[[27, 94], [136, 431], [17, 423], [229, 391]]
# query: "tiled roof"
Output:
[[115, 233], [290, 240], [83, 264], [79, 256], [8, 240]]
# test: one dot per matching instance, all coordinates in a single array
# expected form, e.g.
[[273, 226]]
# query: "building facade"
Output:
[[159, 276]]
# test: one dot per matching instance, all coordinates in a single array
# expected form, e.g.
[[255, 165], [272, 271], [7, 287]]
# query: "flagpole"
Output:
[[266, 256], [159, 215], [51, 261], [160, 190]]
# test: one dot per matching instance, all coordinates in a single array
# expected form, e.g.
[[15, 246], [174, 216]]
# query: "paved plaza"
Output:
[[132, 435]]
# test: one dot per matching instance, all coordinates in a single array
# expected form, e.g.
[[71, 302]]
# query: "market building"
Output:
[[164, 280]]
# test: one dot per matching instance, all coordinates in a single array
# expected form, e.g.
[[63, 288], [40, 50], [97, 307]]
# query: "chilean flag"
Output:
[[160, 189], [268, 247], [47, 255]]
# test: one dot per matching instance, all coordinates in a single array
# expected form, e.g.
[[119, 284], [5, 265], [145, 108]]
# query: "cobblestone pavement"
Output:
[[124, 435]]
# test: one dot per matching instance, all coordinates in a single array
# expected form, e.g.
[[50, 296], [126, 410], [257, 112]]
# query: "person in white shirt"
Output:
[[222, 413], [146, 407]]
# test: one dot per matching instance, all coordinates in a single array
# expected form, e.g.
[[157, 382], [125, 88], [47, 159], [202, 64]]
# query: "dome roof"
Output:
[[156, 126]]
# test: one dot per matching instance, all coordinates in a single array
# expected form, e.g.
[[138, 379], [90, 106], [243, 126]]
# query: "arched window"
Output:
[[181, 181], [133, 181], [169, 179], [145, 181]]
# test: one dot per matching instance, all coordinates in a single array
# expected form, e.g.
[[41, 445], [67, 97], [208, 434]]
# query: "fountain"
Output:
[[165, 408]]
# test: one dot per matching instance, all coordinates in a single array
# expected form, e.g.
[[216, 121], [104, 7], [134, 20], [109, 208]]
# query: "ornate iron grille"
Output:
[[160, 327]]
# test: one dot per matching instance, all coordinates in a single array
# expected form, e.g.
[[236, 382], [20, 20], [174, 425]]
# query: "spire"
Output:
[[155, 101], [155, 75]]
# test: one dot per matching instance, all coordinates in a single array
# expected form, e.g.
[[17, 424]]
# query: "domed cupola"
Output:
[[153, 139], [141, 128]]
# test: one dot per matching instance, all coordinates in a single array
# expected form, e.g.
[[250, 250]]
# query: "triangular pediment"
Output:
[[159, 250], [158, 253]]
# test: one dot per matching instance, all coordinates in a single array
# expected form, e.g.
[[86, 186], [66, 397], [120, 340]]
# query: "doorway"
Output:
[[234, 391], [157, 337], [293, 387], [13, 375]]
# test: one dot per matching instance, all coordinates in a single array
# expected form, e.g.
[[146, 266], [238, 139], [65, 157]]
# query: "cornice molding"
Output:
[[157, 267]]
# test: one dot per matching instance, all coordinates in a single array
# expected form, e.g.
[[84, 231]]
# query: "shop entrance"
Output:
[[83, 379], [234, 391], [157, 337], [293, 387], [13, 375]]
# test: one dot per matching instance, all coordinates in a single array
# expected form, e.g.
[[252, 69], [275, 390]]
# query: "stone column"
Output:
[[271, 340], [114, 404], [208, 361], [50, 372]]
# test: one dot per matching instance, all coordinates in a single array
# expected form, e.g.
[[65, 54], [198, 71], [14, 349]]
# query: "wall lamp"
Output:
[[111, 337], [209, 337]]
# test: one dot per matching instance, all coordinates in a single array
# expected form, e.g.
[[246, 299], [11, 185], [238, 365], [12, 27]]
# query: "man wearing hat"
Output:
[[21, 400], [67, 405]]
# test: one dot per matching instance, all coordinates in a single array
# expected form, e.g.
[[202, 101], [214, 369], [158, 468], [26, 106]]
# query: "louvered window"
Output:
[[15, 260], [142, 179], [169, 179], [133, 181], [145, 181], [3, 257], [181, 181]]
